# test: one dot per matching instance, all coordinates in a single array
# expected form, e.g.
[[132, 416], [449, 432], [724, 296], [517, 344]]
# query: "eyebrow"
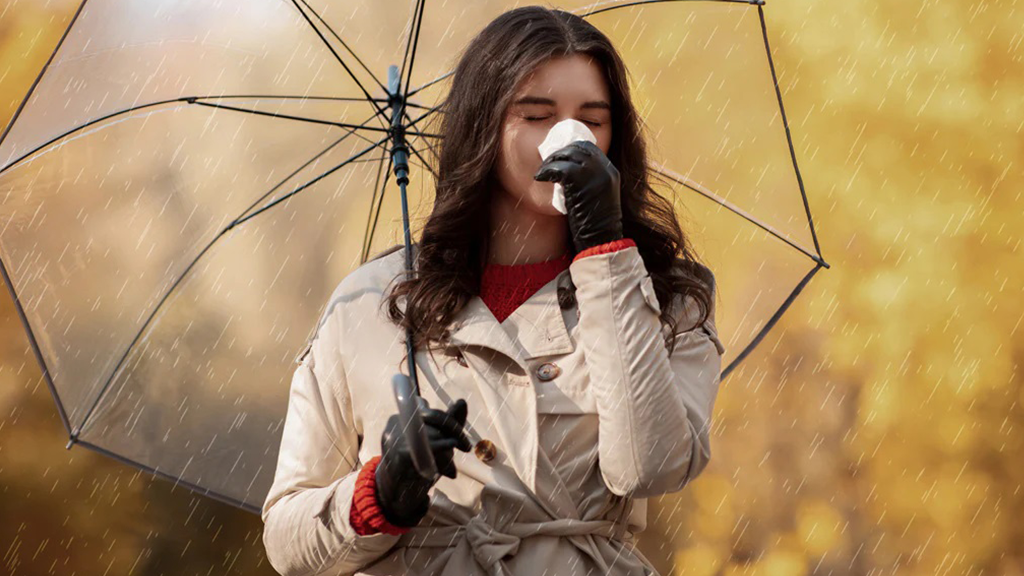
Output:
[[549, 102]]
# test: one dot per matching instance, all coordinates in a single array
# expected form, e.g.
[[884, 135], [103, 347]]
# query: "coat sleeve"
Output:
[[306, 513], [654, 408]]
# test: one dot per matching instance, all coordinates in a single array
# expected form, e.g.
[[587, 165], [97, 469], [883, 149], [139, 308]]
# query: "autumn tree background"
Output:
[[878, 429]]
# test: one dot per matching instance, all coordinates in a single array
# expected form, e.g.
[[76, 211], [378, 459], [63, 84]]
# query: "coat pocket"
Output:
[[554, 400]]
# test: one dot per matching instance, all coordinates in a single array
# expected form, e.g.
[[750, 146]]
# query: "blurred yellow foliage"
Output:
[[881, 428], [819, 527]]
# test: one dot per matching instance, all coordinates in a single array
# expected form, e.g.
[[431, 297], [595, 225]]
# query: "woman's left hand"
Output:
[[592, 197]]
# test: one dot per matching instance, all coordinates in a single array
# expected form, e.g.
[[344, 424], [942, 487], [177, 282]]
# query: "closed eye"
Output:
[[535, 118]]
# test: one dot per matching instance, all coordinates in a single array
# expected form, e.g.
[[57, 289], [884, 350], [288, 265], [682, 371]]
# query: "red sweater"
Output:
[[503, 288]]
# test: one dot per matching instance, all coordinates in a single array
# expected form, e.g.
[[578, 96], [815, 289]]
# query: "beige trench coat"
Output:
[[578, 454]]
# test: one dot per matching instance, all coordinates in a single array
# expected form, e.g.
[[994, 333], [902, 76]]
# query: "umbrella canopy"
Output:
[[186, 182]]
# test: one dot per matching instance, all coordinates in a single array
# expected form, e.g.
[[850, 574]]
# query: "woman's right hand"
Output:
[[401, 491]]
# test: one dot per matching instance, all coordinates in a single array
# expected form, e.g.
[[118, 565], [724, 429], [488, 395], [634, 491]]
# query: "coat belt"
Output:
[[489, 545]]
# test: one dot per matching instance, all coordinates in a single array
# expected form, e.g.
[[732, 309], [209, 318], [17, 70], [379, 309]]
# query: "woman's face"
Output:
[[560, 88]]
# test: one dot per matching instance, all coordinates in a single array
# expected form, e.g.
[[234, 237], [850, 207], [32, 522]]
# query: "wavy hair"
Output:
[[451, 252]]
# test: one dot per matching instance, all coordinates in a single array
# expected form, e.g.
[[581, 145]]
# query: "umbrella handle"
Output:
[[409, 405]]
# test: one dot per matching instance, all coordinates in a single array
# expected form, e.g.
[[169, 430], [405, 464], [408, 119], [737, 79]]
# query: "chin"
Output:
[[540, 201], [542, 206]]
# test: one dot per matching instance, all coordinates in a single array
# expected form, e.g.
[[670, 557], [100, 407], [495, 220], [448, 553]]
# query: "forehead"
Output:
[[571, 78]]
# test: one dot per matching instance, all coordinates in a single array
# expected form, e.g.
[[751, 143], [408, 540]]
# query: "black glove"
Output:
[[401, 491], [592, 197]]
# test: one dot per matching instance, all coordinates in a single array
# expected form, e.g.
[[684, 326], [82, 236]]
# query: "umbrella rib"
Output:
[[431, 83], [297, 118], [639, 2], [414, 40], [372, 227], [423, 134], [421, 117], [276, 97], [371, 219], [86, 125], [152, 314], [60, 43], [35, 347], [737, 210], [773, 320], [423, 160], [39, 77], [347, 47], [413, 93], [436, 156], [184, 99], [380, 204], [414, 150], [351, 74], [415, 105], [789, 136], [405, 113], [165, 476], [308, 184], [408, 42]]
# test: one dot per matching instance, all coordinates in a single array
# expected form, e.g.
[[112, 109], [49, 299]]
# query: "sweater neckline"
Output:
[[513, 273], [504, 287]]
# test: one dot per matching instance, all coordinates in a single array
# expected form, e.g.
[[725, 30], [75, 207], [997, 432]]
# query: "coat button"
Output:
[[548, 371], [485, 450]]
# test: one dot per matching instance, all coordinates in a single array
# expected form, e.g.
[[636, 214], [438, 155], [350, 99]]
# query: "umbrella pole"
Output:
[[407, 389], [400, 161]]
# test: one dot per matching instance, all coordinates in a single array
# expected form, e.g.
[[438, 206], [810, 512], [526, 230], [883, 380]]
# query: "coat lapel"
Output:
[[538, 325], [499, 355], [477, 326]]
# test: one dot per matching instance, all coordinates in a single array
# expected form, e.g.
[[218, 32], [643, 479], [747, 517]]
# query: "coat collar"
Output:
[[536, 328]]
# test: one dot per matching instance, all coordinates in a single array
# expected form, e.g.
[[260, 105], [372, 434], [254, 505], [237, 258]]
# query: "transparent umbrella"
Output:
[[186, 182]]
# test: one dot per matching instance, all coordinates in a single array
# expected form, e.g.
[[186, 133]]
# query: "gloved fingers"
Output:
[[586, 152], [588, 147], [441, 445], [459, 410], [573, 152], [448, 468], [449, 425], [444, 455], [445, 461], [556, 171]]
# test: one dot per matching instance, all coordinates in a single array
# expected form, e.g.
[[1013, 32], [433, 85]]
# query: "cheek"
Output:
[[524, 147], [520, 158], [604, 138]]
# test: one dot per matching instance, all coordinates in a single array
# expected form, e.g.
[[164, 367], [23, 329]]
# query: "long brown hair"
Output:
[[450, 255]]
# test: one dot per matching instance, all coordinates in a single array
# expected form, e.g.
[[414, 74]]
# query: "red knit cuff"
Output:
[[613, 246], [366, 516]]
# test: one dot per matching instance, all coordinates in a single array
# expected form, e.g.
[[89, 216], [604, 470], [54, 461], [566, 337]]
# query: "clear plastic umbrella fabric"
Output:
[[187, 181]]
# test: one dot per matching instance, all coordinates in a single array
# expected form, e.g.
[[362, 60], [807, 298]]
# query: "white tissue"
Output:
[[561, 135]]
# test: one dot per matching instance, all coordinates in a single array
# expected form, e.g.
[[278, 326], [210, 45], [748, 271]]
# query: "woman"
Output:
[[570, 362]]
